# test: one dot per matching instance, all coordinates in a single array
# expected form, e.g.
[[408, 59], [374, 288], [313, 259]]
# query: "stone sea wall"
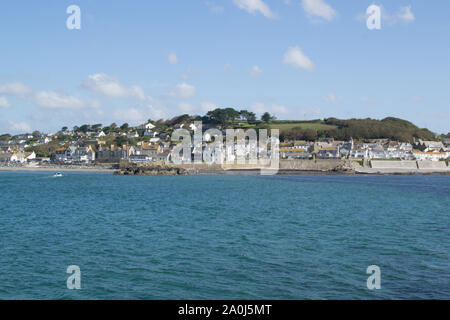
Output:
[[298, 166]]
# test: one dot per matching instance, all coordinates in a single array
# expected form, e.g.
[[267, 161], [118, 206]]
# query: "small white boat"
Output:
[[58, 174]]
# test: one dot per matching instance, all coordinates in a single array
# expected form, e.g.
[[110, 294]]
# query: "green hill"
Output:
[[388, 128]]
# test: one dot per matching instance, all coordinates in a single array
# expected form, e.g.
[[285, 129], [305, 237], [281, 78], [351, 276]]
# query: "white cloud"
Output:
[[294, 57], [4, 103], [369, 101], [214, 8], [133, 115], [331, 98], [54, 100], [15, 89], [45, 99], [406, 14], [318, 8], [157, 113], [172, 58], [20, 127], [110, 87], [255, 71], [253, 6], [308, 113], [260, 108], [227, 66], [183, 91], [140, 113], [208, 106], [186, 107]]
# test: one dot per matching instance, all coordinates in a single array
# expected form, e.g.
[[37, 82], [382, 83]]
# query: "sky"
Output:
[[298, 59]]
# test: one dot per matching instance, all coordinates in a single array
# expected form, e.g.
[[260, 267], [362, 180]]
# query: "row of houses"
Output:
[[143, 152], [377, 149], [17, 157]]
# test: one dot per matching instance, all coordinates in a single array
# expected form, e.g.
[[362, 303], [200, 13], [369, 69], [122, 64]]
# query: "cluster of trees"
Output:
[[227, 116], [300, 134], [5, 137], [113, 127], [388, 128]]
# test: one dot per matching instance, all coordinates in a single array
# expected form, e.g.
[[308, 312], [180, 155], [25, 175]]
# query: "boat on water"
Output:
[[58, 174]]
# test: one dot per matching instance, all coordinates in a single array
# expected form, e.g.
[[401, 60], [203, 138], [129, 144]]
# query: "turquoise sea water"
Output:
[[224, 237]]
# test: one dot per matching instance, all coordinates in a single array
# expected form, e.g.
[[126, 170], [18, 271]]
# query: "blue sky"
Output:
[[298, 59]]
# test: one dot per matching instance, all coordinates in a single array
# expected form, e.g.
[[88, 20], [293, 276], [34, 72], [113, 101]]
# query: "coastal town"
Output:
[[150, 143]]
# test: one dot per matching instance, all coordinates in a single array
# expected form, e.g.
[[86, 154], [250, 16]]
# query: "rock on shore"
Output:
[[150, 171]]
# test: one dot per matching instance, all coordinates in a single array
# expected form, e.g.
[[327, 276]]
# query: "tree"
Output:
[[97, 126], [310, 135], [5, 137], [222, 116], [266, 117], [247, 115], [124, 127], [64, 129], [84, 128]]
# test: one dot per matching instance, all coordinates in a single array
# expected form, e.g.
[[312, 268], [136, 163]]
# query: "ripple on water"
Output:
[[224, 237]]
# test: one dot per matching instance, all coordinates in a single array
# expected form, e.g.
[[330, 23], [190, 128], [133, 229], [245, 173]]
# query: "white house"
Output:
[[29, 156], [44, 140], [329, 153], [431, 145], [150, 133], [433, 156], [378, 154], [65, 154], [139, 158], [17, 157], [84, 155], [146, 127], [6, 156], [359, 153], [400, 154], [133, 135]]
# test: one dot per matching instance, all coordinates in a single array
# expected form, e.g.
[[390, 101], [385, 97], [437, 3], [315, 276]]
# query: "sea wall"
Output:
[[405, 164], [404, 167], [297, 164], [314, 165], [432, 165]]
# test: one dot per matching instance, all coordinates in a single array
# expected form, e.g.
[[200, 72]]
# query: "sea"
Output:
[[99, 236]]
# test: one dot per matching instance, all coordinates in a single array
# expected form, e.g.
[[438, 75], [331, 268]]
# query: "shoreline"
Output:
[[244, 171], [59, 169]]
